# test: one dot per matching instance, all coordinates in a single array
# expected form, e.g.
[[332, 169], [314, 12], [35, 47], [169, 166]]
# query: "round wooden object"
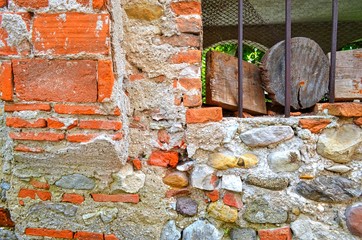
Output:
[[309, 73]]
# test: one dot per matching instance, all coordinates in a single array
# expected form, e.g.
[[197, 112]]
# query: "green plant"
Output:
[[353, 45]]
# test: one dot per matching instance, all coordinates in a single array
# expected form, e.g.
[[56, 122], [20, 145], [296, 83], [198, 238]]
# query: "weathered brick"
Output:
[[5, 218], [43, 195], [6, 81], [314, 125], [137, 164], [3, 3], [127, 198], [41, 136], [203, 115], [136, 77], [190, 83], [55, 80], [16, 122], [110, 237], [177, 192], [342, 109], [105, 80], [283, 233], [192, 100], [58, 124], [183, 40], [100, 124], [71, 33], [99, 4], [186, 8], [49, 233], [213, 195], [163, 136], [233, 200], [78, 109], [79, 137], [72, 198], [35, 4], [190, 56], [23, 148], [163, 159], [189, 25], [27, 107], [358, 121], [144, 11], [37, 184]]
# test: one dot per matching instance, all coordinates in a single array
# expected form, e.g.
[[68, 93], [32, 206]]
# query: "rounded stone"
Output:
[[285, 161], [249, 160], [176, 179], [222, 212], [354, 219], [221, 161], [277, 183], [186, 206], [242, 233], [201, 230]]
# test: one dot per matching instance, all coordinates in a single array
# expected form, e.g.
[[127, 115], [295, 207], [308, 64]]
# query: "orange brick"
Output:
[[100, 124], [99, 4], [163, 159], [190, 83], [136, 77], [44, 196], [3, 3], [37, 184], [23, 148], [233, 200], [79, 138], [55, 80], [73, 198], [163, 136], [358, 121], [5, 218], [314, 125], [27, 107], [213, 195], [137, 164], [57, 124], [189, 25], [6, 81], [110, 237], [177, 192], [49, 233], [183, 40], [78, 109], [126, 198], [283, 233], [83, 2], [190, 56], [88, 236], [41, 136], [22, 123], [343, 109], [118, 136], [71, 33], [186, 8], [203, 115], [192, 100], [35, 4], [105, 80]]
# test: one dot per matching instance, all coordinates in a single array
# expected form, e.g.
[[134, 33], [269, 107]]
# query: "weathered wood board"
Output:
[[348, 75], [222, 84]]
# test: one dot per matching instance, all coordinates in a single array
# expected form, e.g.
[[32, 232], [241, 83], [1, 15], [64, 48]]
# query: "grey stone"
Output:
[[75, 181], [339, 169], [186, 206], [201, 177], [277, 183], [7, 234], [242, 234], [108, 214], [285, 161], [68, 210], [128, 180], [329, 189], [232, 183], [340, 144], [263, 137], [170, 232], [259, 211], [186, 166], [201, 230]]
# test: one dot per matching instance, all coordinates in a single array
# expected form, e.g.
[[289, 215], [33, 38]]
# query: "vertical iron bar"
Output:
[[288, 40], [240, 60], [332, 69]]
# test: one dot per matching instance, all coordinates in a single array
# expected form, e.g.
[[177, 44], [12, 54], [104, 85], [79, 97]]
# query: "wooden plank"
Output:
[[222, 84], [349, 75]]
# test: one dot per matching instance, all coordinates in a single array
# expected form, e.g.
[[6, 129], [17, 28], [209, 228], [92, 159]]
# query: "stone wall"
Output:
[[103, 137]]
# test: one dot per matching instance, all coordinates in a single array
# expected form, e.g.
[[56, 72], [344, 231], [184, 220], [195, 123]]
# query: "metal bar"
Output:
[[332, 69], [288, 53], [240, 60]]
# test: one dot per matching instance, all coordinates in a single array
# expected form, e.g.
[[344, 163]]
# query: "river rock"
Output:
[[263, 137], [170, 232], [128, 180], [176, 179], [186, 166], [259, 211], [186, 206], [339, 169], [222, 212], [201, 177], [222, 162], [75, 181], [329, 189], [201, 230], [354, 219], [232, 183], [340, 144], [277, 183], [285, 161], [249, 160], [242, 234]]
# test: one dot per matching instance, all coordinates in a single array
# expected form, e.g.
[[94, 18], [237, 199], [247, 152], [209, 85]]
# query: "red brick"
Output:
[[88, 236], [213, 195], [23, 148], [233, 200], [57, 124], [358, 121], [190, 83], [186, 8], [110, 237], [3, 3], [35, 4], [105, 80], [99, 4], [183, 40], [83, 2], [37, 184], [136, 77], [203, 115], [192, 100], [314, 125], [189, 25], [78, 109], [163, 159], [49, 233], [22, 123], [73, 198], [27, 107], [343, 109], [79, 138], [283, 233], [127, 198], [71, 33], [137, 164], [190, 56], [177, 192], [41, 136], [5, 218], [24, 193], [100, 124], [55, 80], [6, 81]]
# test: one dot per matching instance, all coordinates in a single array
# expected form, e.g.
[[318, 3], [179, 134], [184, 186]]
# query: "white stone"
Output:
[[232, 183], [201, 177], [263, 137], [128, 180], [201, 230]]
